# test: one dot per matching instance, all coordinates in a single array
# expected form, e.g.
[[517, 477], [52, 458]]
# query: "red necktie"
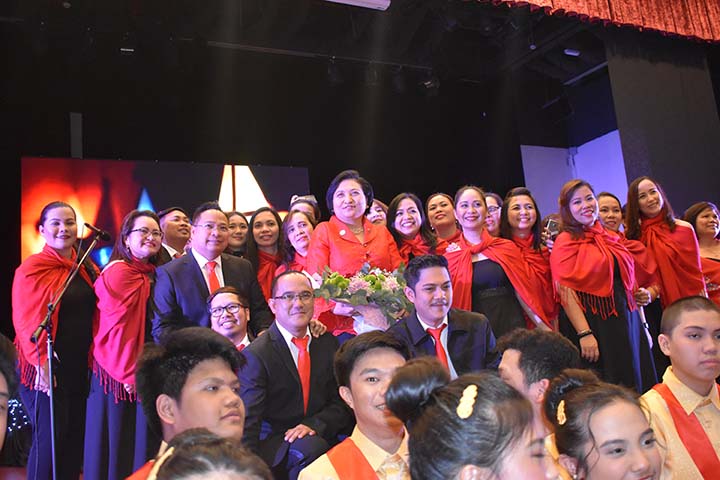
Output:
[[240, 347], [212, 278], [303, 366], [177, 255], [439, 349]]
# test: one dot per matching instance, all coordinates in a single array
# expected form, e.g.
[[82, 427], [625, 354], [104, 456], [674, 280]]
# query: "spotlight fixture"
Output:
[[430, 83], [334, 75], [372, 76], [571, 52]]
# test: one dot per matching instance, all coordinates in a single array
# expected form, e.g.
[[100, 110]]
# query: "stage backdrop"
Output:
[[102, 192]]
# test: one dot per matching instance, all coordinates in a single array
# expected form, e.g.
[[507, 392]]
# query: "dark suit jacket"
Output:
[[180, 295], [270, 388], [471, 342]]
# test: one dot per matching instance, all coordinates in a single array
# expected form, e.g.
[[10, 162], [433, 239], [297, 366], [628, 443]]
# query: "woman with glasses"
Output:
[[264, 245], [37, 280], [410, 229], [237, 241], [117, 440], [489, 275], [520, 222], [494, 210]]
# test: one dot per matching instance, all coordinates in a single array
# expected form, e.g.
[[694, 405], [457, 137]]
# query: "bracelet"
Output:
[[584, 333]]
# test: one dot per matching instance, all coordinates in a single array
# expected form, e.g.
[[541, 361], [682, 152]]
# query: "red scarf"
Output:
[[122, 290], [691, 433], [455, 237], [538, 262], [501, 251], [267, 264], [299, 264], [711, 271], [586, 265], [678, 259], [645, 265], [417, 247], [349, 462], [36, 280]]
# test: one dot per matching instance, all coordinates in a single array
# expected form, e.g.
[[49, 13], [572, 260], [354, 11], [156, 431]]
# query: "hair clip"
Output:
[[467, 401], [561, 417], [159, 462]]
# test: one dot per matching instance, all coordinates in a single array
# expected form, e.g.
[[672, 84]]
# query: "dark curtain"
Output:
[[696, 19]]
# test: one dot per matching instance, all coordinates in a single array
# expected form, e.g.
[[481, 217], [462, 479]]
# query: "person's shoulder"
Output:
[[683, 223], [327, 340], [467, 318], [319, 469]]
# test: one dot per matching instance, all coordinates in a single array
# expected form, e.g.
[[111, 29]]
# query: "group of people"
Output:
[[210, 322]]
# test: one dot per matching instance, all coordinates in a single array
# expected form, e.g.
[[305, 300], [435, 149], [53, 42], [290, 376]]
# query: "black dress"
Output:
[[494, 296], [625, 356]]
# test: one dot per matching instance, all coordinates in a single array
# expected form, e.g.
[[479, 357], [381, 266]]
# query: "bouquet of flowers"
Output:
[[376, 294]]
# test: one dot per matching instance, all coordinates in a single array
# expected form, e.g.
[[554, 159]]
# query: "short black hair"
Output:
[[164, 369], [419, 263], [672, 314], [349, 175], [168, 210], [8, 357], [543, 354], [350, 351], [273, 286], [204, 207], [231, 290]]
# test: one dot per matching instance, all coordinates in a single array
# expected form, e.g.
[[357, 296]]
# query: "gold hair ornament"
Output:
[[158, 463], [561, 417], [467, 401]]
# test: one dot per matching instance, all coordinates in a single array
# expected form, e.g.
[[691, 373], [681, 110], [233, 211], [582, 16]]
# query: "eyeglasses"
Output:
[[209, 227], [492, 209], [145, 232], [290, 297], [232, 308]]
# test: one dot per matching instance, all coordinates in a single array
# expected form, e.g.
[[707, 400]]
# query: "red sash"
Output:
[[350, 463], [267, 264], [691, 434]]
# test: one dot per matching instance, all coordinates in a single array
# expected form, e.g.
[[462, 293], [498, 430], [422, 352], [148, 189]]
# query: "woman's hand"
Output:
[[41, 382], [643, 296], [589, 348], [317, 328]]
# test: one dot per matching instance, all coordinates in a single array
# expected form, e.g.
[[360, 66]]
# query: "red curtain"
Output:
[[695, 19]]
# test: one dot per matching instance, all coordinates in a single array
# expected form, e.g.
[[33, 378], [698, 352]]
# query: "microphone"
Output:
[[102, 234]]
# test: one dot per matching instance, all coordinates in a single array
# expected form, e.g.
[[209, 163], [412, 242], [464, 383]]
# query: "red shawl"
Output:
[[417, 247], [538, 262], [711, 270], [36, 280], [299, 264], [501, 251], [645, 265], [122, 290], [454, 238], [678, 258], [267, 264], [587, 266]]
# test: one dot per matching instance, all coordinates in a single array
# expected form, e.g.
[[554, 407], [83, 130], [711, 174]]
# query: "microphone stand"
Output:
[[46, 325]]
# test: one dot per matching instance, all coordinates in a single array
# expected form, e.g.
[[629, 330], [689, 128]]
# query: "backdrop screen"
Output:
[[102, 192]]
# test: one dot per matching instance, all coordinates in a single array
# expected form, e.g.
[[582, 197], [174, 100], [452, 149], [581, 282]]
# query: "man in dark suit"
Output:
[[183, 285], [175, 226], [294, 412], [463, 341]]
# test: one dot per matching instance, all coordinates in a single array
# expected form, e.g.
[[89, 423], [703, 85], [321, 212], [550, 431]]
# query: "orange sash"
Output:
[[350, 463], [691, 434]]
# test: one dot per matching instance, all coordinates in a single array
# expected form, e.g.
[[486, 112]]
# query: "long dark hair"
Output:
[[251, 249], [567, 221], [120, 250], [287, 253], [426, 232], [506, 229], [632, 209]]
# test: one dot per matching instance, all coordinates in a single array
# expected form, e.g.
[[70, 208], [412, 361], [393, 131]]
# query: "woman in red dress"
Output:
[[650, 219], [410, 229], [264, 245], [705, 218], [349, 240], [297, 229]]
